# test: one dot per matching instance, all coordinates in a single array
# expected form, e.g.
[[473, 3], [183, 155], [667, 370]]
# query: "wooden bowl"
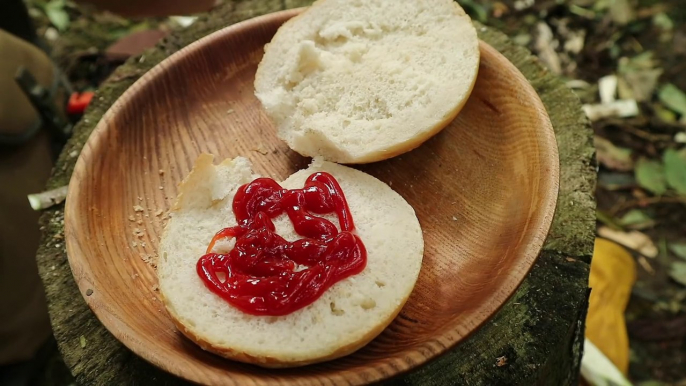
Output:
[[484, 190]]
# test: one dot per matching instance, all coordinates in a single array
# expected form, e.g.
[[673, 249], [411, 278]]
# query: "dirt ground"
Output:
[[642, 43]]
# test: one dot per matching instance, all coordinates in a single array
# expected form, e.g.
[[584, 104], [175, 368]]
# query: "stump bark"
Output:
[[536, 338]]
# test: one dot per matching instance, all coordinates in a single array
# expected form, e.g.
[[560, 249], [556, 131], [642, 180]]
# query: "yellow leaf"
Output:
[[613, 273]]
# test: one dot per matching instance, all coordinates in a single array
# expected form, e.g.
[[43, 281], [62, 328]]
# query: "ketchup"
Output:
[[266, 275]]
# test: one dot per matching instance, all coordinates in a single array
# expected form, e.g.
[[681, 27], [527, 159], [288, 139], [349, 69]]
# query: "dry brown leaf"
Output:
[[635, 240], [613, 157]]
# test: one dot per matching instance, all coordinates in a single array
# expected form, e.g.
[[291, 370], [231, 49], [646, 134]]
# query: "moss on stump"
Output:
[[536, 338]]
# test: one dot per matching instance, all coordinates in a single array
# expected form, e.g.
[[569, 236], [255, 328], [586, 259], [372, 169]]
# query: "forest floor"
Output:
[[626, 60]]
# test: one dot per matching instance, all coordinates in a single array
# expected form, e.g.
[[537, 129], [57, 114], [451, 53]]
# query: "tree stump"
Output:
[[536, 338]]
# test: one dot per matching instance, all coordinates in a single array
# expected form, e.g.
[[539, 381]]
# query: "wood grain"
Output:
[[484, 190]]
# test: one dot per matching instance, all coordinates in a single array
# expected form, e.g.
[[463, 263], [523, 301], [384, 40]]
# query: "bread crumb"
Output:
[[139, 222], [161, 172], [229, 111], [454, 218], [132, 218], [261, 150], [159, 213], [143, 244], [155, 288], [137, 208], [134, 244], [140, 198]]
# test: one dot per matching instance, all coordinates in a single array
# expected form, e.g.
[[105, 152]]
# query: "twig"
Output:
[[643, 202], [44, 200], [646, 135]]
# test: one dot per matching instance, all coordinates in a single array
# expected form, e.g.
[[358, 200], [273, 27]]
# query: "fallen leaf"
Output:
[[575, 42], [643, 61], [675, 169], [57, 15], [638, 76], [635, 240], [664, 113], [677, 271], [678, 249], [663, 21], [475, 9], [613, 157], [607, 88], [643, 83], [82, 341], [608, 220], [636, 219], [613, 273], [650, 174], [613, 181], [619, 108], [545, 45], [622, 11], [672, 97]]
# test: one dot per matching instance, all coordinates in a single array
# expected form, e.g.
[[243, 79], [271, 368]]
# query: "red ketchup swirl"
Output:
[[260, 275]]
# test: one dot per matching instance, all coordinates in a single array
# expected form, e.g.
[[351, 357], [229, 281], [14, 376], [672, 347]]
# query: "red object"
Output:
[[260, 276], [78, 102]]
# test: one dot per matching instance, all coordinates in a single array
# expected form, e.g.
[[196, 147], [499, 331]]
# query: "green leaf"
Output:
[[677, 271], [57, 15], [650, 174], [672, 97], [663, 21], [607, 220], [675, 169], [678, 249], [636, 219], [614, 181]]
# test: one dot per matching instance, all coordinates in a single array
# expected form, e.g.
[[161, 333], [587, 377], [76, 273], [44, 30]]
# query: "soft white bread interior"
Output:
[[358, 81], [345, 318]]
